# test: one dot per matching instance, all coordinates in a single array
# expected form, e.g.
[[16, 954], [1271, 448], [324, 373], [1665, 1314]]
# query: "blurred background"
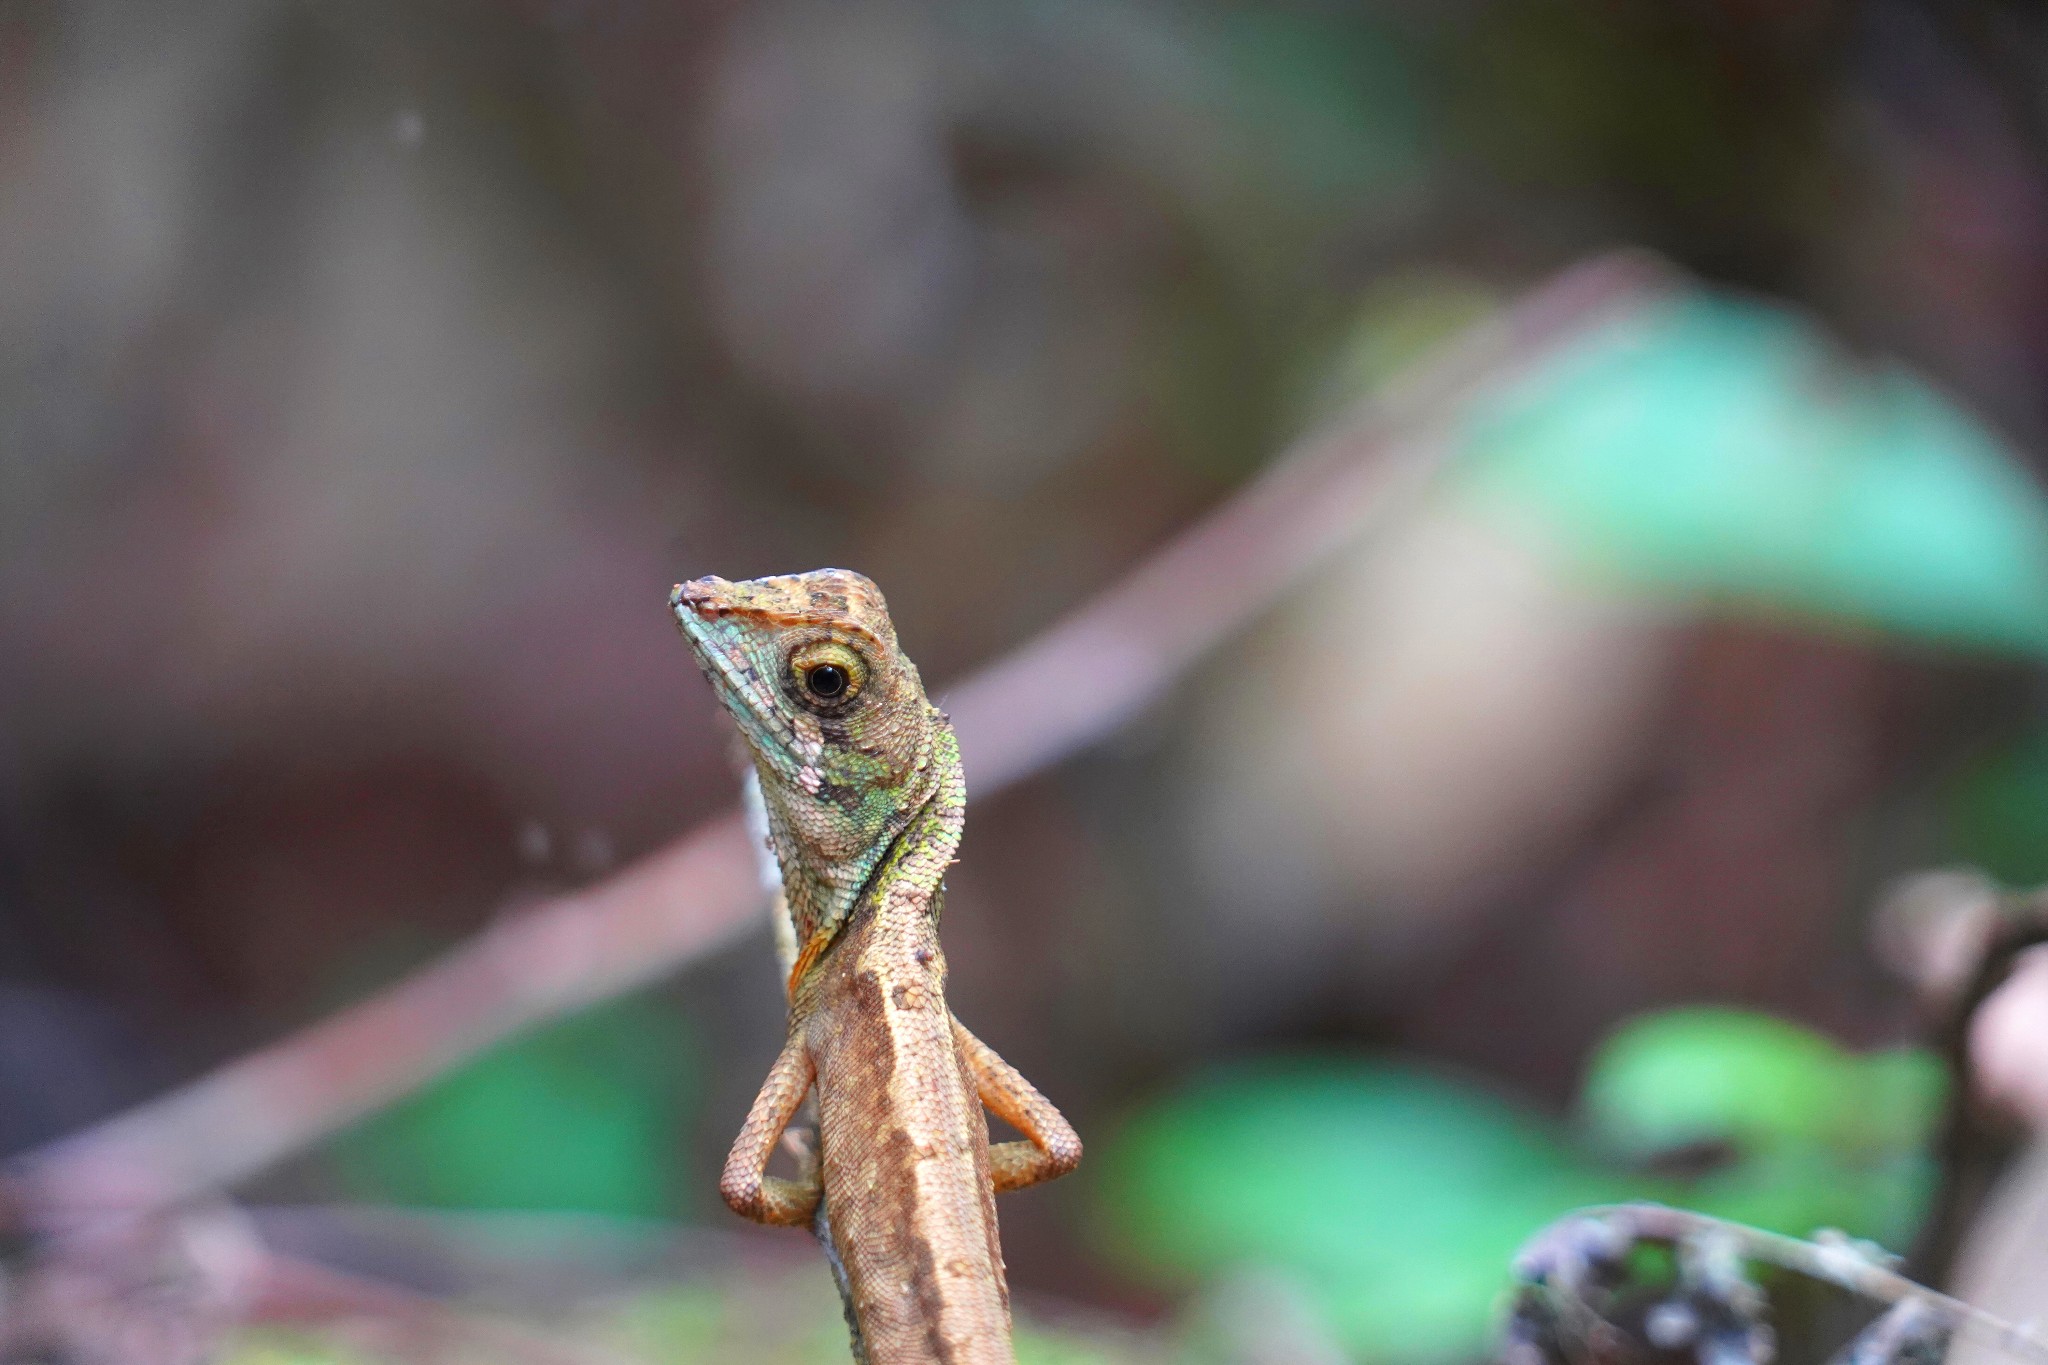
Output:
[[368, 372]]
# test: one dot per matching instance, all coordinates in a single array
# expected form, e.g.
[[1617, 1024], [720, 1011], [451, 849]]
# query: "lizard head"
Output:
[[845, 744]]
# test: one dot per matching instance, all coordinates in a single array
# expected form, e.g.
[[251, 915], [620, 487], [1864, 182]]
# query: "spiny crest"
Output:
[[846, 745]]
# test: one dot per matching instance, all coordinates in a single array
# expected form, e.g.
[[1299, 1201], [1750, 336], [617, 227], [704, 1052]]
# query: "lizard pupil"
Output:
[[826, 681]]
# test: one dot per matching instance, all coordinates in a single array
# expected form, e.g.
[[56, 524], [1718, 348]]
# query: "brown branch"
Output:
[[625, 932], [1068, 688], [1089, 674], [1979, 960]]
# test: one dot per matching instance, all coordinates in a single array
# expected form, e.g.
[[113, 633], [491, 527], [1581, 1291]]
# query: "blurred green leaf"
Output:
[[1796, 1190], [1720, 448], [1692, 1075], [584, 1115], [1819, 1137], [1900, 1100], [1701, 1073], [1996, 811], [1395, 1196]]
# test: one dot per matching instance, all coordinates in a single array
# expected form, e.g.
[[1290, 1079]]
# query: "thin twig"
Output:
[[1068, 688], [1855, 1267]]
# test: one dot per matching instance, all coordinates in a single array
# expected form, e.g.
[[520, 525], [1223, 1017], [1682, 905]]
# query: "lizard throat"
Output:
[[818, 928], [913, 859]]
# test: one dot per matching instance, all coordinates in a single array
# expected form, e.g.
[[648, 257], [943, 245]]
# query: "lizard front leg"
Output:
[[746, 1185], [1053, 1147]]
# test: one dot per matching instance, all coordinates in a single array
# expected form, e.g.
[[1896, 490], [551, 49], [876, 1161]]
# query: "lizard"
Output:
[[861, 781]]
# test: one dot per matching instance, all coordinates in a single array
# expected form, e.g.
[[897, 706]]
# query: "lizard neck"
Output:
[[905, 868]]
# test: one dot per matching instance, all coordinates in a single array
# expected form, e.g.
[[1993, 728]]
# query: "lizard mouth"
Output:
[[699, 606]]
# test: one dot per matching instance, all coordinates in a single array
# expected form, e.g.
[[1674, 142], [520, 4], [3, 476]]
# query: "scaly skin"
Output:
[[860, 776]]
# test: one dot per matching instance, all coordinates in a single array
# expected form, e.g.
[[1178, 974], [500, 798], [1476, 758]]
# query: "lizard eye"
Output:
[[826, 681], [828, 673]]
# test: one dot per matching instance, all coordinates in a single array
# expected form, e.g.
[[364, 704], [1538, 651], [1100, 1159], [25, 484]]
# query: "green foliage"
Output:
[[1396, 1196], [1721, 450], [1996, 811], [1818, 1137], [587, 1114], [1692, 1075], [1707, 1073]]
